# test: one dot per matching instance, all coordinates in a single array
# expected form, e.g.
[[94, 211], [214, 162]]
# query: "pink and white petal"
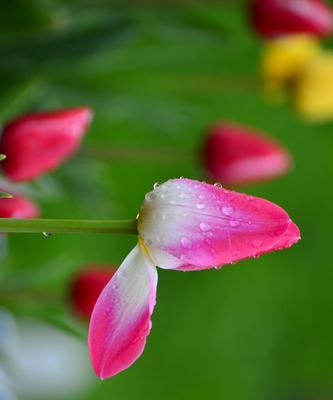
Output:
[[201, 226], [120, 321]]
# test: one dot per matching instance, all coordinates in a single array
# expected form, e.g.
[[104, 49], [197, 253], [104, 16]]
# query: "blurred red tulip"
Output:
[[39, 142], [235, 155], [87, 286], [282, 17], [18, 207]]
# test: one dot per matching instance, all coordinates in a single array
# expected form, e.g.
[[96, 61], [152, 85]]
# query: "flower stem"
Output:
[[8, 225]]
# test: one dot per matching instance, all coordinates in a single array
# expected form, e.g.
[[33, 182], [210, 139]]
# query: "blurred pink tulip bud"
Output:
[[235, 155], [18, 207], [87, 286], [39, 142], [283, 17]]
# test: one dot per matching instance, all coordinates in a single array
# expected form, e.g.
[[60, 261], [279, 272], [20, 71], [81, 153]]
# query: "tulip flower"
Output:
[[18, 207], [183, 225], [271, 18], [313, 93], [235, 155], [87, 286], [283, 59], [39, 142]]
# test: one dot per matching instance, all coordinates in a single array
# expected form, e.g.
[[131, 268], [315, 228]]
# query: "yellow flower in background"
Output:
[[283, 59], [314, 89]]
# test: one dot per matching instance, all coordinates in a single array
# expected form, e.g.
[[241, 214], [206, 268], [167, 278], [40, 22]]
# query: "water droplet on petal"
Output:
[[205, 227], [107, 312], [149, 196], [227, 210], [200, 206], [234, 223], [156, 185], [218, 185], [186, 242]]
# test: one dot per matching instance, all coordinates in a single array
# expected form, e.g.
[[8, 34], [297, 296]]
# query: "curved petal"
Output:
[[189, 225], [120, 321]]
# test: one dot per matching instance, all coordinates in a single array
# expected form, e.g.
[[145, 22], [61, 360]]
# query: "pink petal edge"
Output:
[[120, 321]]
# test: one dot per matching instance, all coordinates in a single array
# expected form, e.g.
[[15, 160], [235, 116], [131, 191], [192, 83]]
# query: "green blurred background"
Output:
[[156, 76]]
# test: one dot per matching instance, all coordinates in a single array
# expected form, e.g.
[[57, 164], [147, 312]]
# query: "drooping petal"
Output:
[[283, 17], [87, 285], [189, 225], [120, 321], [235, 154], [38, 142]]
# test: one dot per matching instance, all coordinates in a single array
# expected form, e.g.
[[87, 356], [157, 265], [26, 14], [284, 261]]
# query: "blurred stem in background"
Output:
[[49, 226], [150, 154]]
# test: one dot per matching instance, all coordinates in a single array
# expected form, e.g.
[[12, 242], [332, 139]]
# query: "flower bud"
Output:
[[283, 59], [39, 142], [87, 286], [236, 155], [18, 207], [313, 95], [282, 17]]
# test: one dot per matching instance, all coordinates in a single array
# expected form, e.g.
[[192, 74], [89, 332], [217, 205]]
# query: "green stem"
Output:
[[8, 225]]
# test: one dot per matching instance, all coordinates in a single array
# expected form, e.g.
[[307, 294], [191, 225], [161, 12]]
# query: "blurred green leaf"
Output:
[[157, 75]]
